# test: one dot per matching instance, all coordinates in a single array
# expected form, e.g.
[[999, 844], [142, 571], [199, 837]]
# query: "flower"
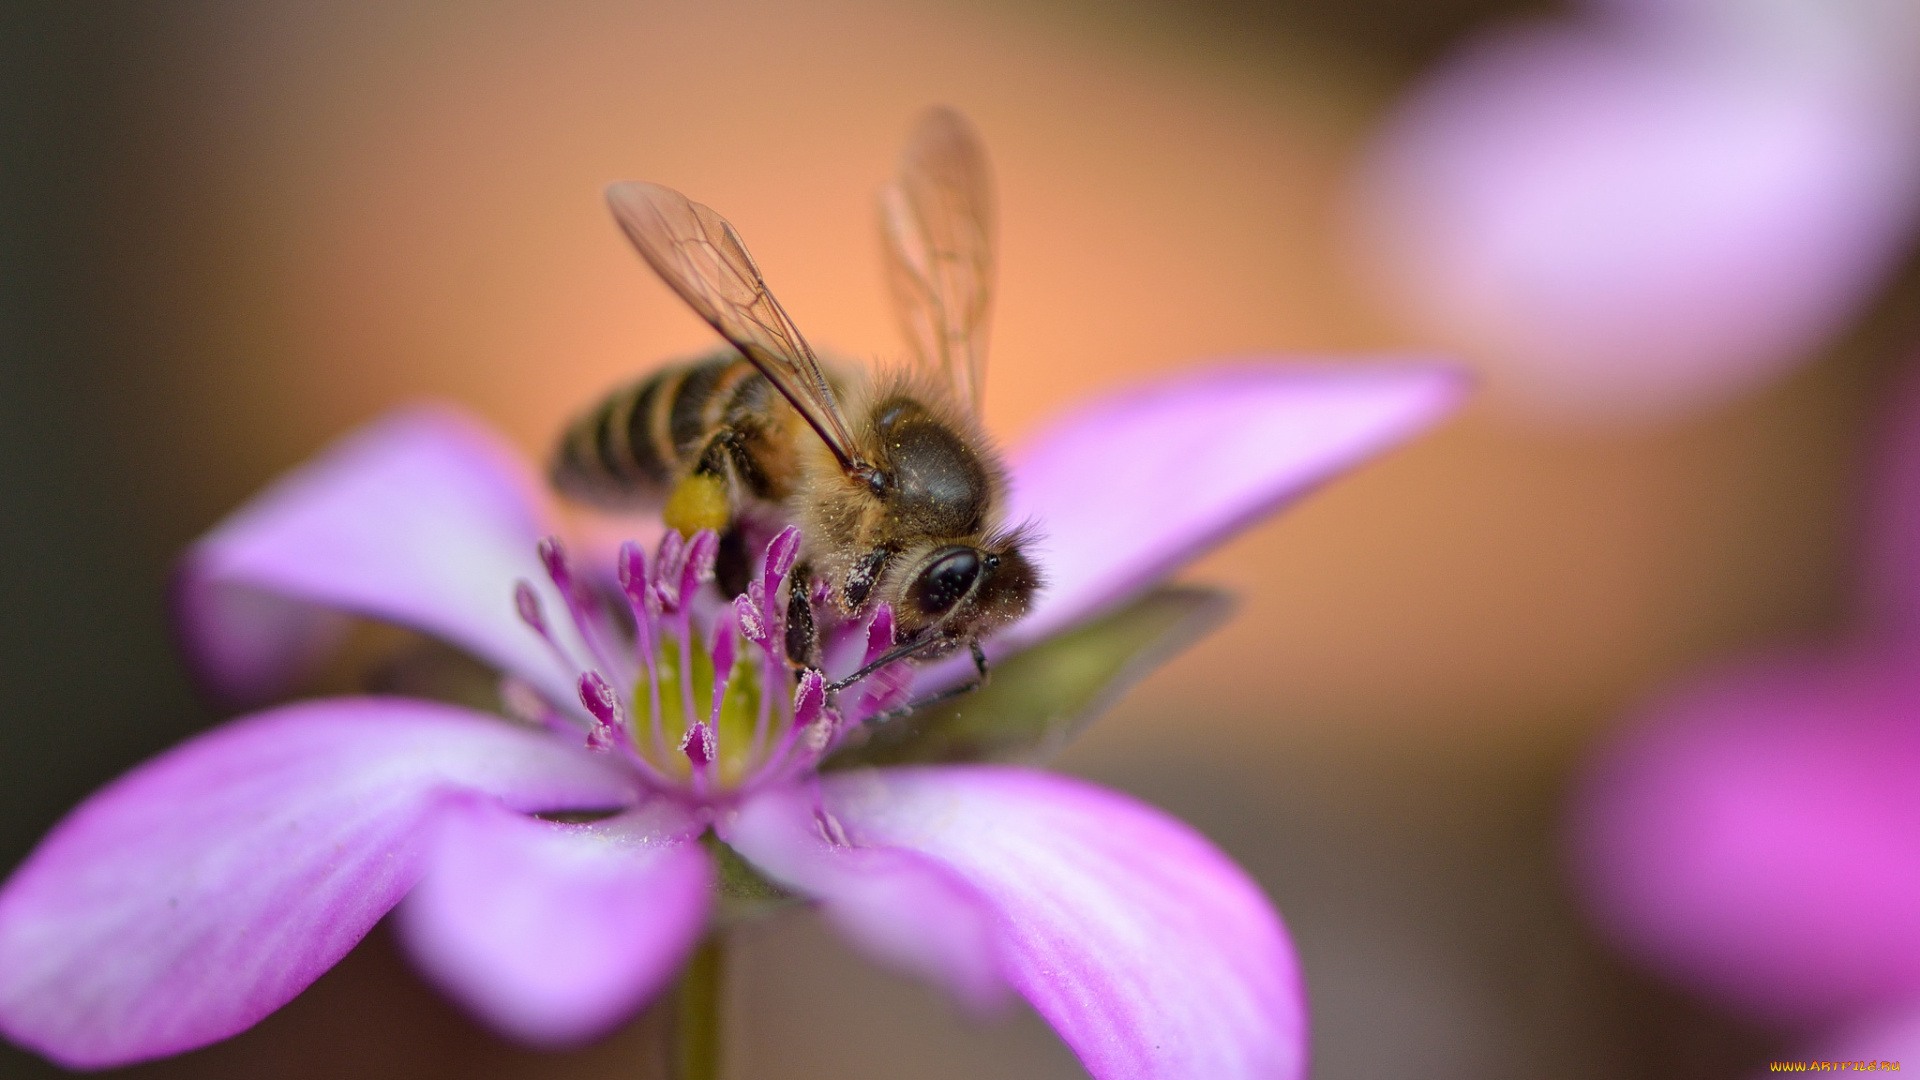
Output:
[[1653, 206], [552, 874], [1756, 834]]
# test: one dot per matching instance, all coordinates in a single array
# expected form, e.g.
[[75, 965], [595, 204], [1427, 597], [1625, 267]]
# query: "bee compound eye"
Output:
[[947, 578]]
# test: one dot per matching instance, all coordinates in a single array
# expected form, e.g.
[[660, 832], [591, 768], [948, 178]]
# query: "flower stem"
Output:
[[696, 1053]]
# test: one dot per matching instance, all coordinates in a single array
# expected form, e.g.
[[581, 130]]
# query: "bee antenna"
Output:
[[898, 652]]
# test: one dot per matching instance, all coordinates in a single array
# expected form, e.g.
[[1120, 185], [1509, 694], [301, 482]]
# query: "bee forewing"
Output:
[[701, 257], [937, 218]]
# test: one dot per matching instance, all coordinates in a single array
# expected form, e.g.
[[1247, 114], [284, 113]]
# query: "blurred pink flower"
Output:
[[202, 891], [1656, 206], [1756, 835]]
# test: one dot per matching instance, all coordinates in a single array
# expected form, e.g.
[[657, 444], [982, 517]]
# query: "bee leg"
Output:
[[979, 664], [703, 499], [863, 577], [732, 566], [803, 645]]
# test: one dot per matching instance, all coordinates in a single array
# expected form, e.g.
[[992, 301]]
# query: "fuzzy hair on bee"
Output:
[[935, 493]]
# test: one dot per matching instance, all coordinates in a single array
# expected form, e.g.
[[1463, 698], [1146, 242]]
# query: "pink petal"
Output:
[[1758, 836], [1889, 588], [423, 519], [555, 933], [1131, 487], [1634, 222], [904, 910], [1150, 953], [1889, 1035], [203, 890]]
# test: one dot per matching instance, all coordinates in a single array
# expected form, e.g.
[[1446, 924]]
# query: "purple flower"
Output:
[[1756, 835], [1655, 205], [552, 874]]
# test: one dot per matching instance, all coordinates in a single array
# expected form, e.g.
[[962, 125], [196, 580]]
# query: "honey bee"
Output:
[[894, 484]]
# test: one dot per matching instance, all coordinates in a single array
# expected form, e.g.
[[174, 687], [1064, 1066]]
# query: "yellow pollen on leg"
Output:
[[698, 502]]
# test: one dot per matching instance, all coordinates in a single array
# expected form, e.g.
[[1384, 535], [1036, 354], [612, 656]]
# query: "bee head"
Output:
[[970, 591]]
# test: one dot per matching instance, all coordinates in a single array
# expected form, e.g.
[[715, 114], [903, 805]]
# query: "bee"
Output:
[[892, 480]]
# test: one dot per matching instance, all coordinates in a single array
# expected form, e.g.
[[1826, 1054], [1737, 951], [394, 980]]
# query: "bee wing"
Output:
[[937, 216], [699, 255]]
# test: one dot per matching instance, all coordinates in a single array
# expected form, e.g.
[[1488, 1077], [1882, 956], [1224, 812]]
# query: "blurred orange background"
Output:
[[306, 215]]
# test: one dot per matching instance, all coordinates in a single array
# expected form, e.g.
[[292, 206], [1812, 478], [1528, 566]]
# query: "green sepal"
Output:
[[1036, 701], [741, 890]]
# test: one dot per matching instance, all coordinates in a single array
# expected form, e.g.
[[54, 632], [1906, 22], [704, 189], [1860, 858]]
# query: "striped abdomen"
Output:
[[717, 414]]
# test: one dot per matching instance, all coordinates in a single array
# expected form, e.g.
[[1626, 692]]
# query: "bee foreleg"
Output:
[[862, 578], [802, 637], [951, 692]]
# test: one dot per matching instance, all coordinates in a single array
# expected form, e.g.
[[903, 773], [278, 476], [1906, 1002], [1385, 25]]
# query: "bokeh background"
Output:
[[230, 232]]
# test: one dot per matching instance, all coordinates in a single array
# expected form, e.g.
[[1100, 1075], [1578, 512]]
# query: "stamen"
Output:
[[781, 553], [770, 620], [702, 552], [673, 548], [632, 570], [700, 746], [809, 698], [527, 603], [879, 633], [599, 699], [640, 597], [717, 717], [886, 686], [720, 650], [554, 558], [581, 603], [812, 720], [747, 615], [644, 599], [522, 701]]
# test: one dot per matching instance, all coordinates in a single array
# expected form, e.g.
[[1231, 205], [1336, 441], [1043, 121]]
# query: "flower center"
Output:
[[693, 691], [702, 713]]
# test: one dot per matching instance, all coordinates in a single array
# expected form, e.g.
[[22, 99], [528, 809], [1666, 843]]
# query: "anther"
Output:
[[810, 699], [702, 551], [748, 614], [598, 697], [700, 745], [527, 603], [632, 568], [879, 633], [554, 558], [720, 647], [781, 553], [673, 548]]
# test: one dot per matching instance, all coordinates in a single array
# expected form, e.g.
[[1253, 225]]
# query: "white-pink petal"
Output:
[[200, 892], [555, 933], [1150, 952], [1634, 220], [905, 911], [423, 518], [1130, 487]]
